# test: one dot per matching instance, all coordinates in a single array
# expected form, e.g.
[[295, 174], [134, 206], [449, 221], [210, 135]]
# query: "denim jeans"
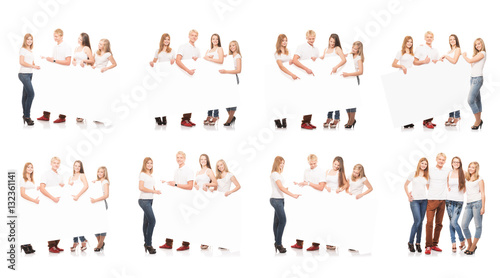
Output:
[[418, 208], [455, 114], [101, 234], [149, 221], [474, 98], [28, 93], [231, 109], [454, 208], [82, 239], [337, 115], [279, 219], [215, 112], [350, 110], [473, 210]]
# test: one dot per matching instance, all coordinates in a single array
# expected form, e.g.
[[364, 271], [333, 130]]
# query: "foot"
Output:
[[334, 123], [437, 249], [327, 123], [454, 248], [411, 248], [455, 121], [462, 245], [73, 248], [208, 120], [427, 250], [84, 246], [331, 247], [418, 247]]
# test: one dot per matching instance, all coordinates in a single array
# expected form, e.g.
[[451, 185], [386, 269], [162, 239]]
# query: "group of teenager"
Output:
[[55, 206], [425, 54], [184, 179], [332, 181], [189, 51], [435, 189], [308, 51], [102, 60]]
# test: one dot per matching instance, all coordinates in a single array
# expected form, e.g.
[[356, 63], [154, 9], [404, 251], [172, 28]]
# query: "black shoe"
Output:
[[279, 248], [409, 126], [164, 120], [278, 124], [231, 122], [158, 121], [419, 248], [283, 123], [476, 127], [149, 249], [28, 121], [411, 248]]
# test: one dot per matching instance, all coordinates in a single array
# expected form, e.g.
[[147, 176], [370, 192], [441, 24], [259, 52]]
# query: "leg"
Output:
[[439, 222], [454, 221], [478, 222], [423, 208], [430, 211], [466, 219], [450, 210], [415, 211], [473, 98], [329, 115], [279, 207], [148, 211]]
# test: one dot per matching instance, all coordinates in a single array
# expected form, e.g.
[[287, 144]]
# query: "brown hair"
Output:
[[144, 169], [426, 171], [281, 37], [461, 175], [163, 37], [86, 40], [81, 167], [218, 41], [25, 173], [457, 44], [276, 164], [403, 48], [336, 38], [208, 161], [341, 174]]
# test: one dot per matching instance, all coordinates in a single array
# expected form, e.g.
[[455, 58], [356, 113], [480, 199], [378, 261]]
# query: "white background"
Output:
[[388, 154]]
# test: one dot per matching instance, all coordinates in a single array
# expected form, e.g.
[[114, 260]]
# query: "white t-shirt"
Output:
[[405, 60], [101, 61], [165, 57], [306, 51], [315, 175], [425, 51], [224, 184], [276, 192], [188, 51], [149, 183], [437, 183], [26, 184], [477, 67], [282, 57], [472, 189], [51, 178], [28, 58], [183, 175], [356, 64], [356, 187], [235, 59], [454, 194], [61, 51], [418, 187]]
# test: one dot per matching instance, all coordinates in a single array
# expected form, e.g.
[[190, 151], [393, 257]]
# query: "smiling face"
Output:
[[409, 43], [423, 165], [282, 165], [29, 41], [180, 159], [336, 165], [80, 40], [58, 38], [313, 163], [166, 41], [100, 173], [203, 161], [220, 167], [215, 41], [472, 169], [149, 165], [101, 45], [55, 164], [478, 45], [355, 49], [232, 47], [453, 41], [284, 42], [193, 37], [455, 163], [440, 161], [310, 40], [356, 172], [29, 169], [77, 167], [331, 43], [429, 38]]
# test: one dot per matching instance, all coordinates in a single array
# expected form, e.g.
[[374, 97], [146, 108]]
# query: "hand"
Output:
[[314, 59], [70, 182], [295, 77], [482, 211], [227, 193], [435, 61], [296, 196], [464, 54], [171, 183], [328, 188], [56, 199], [222, 71], [441, 59], [427, 60], [75, 197], [38, 188], [92, 200], [309, 71], [37, 201], [61, 184], [157, 192], [36, 67], [152, 64], [344, 74], [104, 69], [404, 69], [205, 188], [74, 63], [410, 198], [191, 72], [338, 190], [290, 62], [334, 70], [359, 196], [94, 181], [49, 59], [82, 64], [195, 58], [93, 66], [449, 189], [211, 189]]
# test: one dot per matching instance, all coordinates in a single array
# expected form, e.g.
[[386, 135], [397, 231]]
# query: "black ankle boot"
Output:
[[277, 123], [158, 120], [283, 121], [164, 120], [411, 248]]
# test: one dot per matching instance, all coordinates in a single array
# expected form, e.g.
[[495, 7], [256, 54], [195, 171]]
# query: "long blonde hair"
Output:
[[144, 169], [483, 47], [163, 37], [276, 164], [281, 37], [426, 171], [237, 48], [25, 172], [107, 47], [218, 172], [25, 39], [474, 176], [360, 50], [361, 172], [403, 48], [105, 177]]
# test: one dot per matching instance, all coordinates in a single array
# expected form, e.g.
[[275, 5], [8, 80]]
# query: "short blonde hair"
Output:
[[441, 154], [55, 158], [310, 33], [429, 33], [59, 32], [312, 157], [193, 31], [181, 153]]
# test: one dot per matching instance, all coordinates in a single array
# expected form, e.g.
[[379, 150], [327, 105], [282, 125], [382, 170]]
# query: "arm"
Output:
[[236, 183], [217, 61], [187, 186], [47, 194], [25, 196], [320, 186], [342, 57], [453, 60], [344, 187], [285, 70], [300, 65], [91, 59], [474, 59], [370, 189], [84, 188], [146, 190], [483, 196], [24, 64], [104, 196], [356, 73], [213, 180], [235, 71], [285, 190], [418, 62], [408, 193], [178, 61], [113, 64], [152, 63]]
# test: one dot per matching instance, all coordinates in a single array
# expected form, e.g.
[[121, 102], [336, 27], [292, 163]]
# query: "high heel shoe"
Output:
[[455, 121], [73, 248], [83, 248], [213, 121], [158, 120], [283, 122], [31, 248], [149, 249], [208, 120], [278, 124], [351, 126], [476, 127], [26, 249], [418, 247], [334, 123], [411, 248], [467, 252], [164, 120], [28, 121], [231, 122], [327, 123], [97, 249], [279, 248]]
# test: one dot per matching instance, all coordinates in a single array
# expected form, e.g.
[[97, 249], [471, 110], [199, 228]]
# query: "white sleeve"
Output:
[[197, 52], [44, 178], [398, 56], [67, 51], [142, 176], [181, 51], [22, 183], [299, 51], [173, 53], [156, 54], [322, 177], [276, 176], [411, 176], [316, 52], [190, 175]]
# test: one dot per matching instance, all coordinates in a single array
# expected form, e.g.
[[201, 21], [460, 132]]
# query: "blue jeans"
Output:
[[28, 93], [454, 208], [279, 219], [351, 110], [149, 221], [473, 210], [82, 239], [474, 98], [231, 109], [215, 113], [418, 209], [337, 115], [101, 234], [455, 114]]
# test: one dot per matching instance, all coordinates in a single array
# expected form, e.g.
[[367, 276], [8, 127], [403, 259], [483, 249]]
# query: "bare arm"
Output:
[[356, 73], [235, 71], [213, 180], [90, 61], [408, 193], [24, 64], [220, 60], [104, 196], [285, 70], [47, 194], [237, 186], [147, 190], [370, 189], [27, 197], [181, 65], [285, 190], [113, 64], [84, 188], [418, 62], [483, 196], [297, 63], [342, 61], [454, 60], [474, 59]]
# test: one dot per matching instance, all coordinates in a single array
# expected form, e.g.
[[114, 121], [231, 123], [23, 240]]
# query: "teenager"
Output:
[[27, 61]]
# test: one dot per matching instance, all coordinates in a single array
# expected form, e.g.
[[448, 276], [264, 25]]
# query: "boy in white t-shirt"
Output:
[[61, 55], [315, 178], [188, 51], [306, 51], [425, 54], [183, 179]]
